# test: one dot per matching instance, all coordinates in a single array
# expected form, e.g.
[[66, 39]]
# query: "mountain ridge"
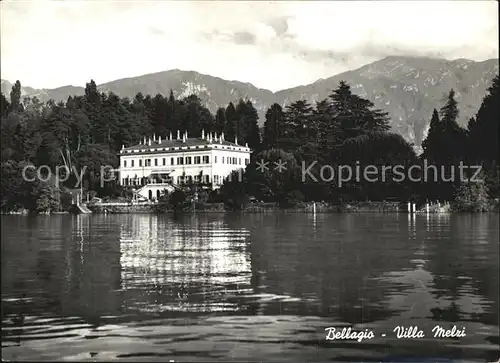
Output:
[[408, 88]]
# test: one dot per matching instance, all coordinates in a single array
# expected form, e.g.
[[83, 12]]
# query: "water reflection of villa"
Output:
[[182, 267]]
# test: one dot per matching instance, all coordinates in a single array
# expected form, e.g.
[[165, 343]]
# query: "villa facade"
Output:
[[157, 165]]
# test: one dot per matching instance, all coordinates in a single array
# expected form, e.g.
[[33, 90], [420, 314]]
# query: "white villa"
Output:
[[158, 165]]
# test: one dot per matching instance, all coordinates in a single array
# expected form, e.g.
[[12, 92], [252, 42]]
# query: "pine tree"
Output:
[[449, 112], [354, 115], [432, 141], [453, 140], [297, 118], [326, 130]]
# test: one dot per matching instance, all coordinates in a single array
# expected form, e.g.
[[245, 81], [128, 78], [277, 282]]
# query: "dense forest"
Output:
[[88, 131]]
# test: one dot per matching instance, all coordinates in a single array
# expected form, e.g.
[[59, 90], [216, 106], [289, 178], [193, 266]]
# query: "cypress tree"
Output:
[[273, 126]]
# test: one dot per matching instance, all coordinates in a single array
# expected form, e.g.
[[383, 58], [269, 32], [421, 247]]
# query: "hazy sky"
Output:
[[273, 45]]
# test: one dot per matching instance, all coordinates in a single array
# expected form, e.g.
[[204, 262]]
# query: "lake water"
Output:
[[259, 287]]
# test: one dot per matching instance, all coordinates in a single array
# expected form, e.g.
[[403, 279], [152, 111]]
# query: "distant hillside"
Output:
[[409, 88]]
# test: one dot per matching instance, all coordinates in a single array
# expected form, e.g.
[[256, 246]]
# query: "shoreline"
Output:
[[262, 208]]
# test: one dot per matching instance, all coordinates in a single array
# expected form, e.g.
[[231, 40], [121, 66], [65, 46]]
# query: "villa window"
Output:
[[180, 160], [239, 161], [247, 161], [164, 161], [156, 162], [188, 160], [207, 178], [215, 159], [132, 163], [124, 163], [171, 161], [206, 160], [140, 162], [223, 160], [197, 160]]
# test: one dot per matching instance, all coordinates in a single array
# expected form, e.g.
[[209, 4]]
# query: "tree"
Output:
[[273, 126], [483, 137], [355, 115], [295, 127], [55, 132], [196, 117], [431, 144], [4, 105], [449, 112], [136, 125], [234, 191], [453, 142], [26, 191], [47, 198], [15, 98], [385, 151], [220, 120], [231, 122], [250, 121], [177, 199], [471, 197], [483, 130], [171, 122], [158, 114], [12, 188], [241, 126], [444, 148], [326, 131], [277, 185], [92, 108], [93, 158]]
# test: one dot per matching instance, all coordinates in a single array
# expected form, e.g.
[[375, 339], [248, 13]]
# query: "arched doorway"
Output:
[[150, 193], [158, 194]]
